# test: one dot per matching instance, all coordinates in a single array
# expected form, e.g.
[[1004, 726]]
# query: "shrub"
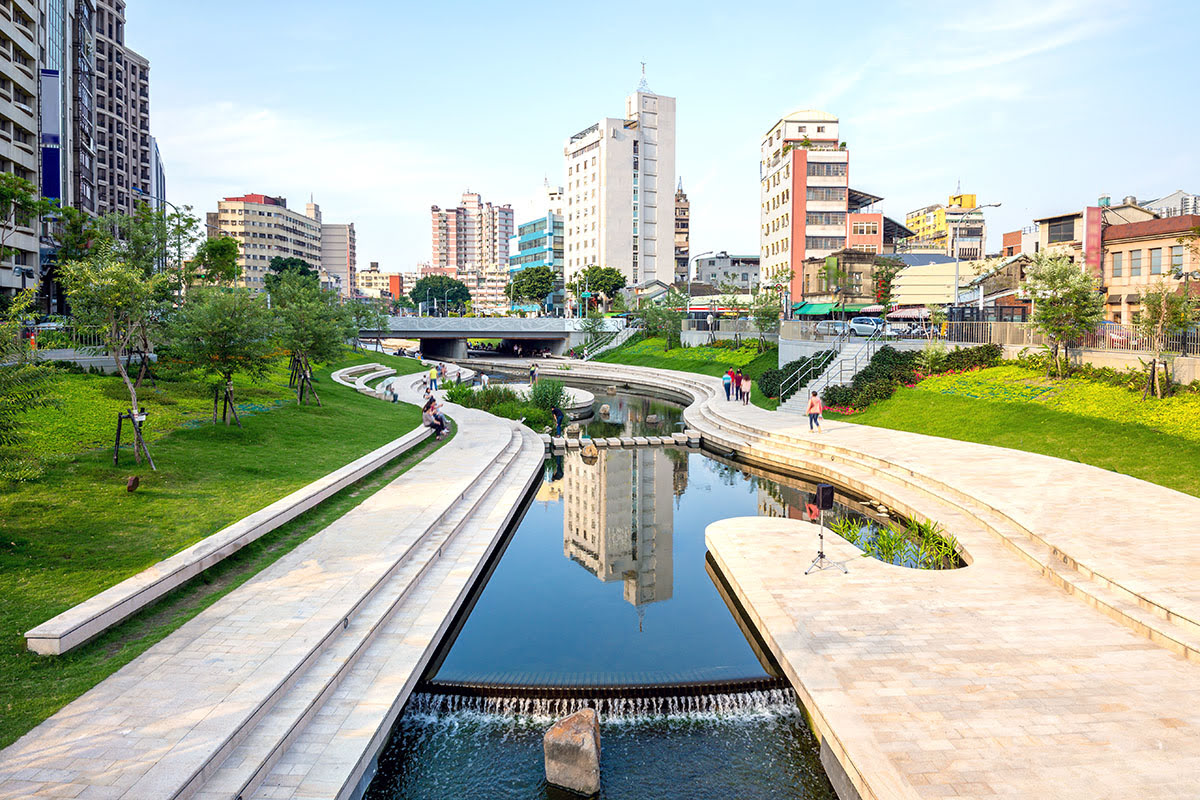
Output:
[[839, 396], [534, 417], [768, 382], [933, 359], [980, 357], [548, 394]]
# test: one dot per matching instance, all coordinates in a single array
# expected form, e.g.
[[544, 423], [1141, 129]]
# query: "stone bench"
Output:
[[97, 614]]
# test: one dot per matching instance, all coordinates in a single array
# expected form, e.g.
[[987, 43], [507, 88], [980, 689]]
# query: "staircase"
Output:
[[623, 336], [850, 360]]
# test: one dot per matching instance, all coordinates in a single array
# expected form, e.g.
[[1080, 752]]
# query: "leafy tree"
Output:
[[886, 270], [731, 298], [1066, 305], [154, 240], [665, 318], [120, 301], [280, 266], [532, 284], [24, 384], [764, 310], [20, 205], [440, 288], [606, 281], [936, 315], [1164, 311], [216, 260], [367, 314], [220, 332], [311, 325], [835, 279], [592, 326]]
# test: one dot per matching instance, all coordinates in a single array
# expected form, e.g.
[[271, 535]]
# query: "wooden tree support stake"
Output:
[[139, 443]]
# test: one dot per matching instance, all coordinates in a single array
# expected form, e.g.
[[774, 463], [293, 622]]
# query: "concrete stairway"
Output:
[[848, 363], [623, 336]]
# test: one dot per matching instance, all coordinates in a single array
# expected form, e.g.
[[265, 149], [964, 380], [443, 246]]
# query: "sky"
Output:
[[379, 109]]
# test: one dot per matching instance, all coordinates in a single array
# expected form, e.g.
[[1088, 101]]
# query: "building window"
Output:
[[1135, 263], [1177, 260], [826, 170], [820, 129], [865, 229], [826, 218], [1116, 264], [1156, 261], [1061, 230], [824, 242], [826, 193]]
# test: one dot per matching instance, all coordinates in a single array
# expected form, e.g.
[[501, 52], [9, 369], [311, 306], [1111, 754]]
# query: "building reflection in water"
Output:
[[618, 519]]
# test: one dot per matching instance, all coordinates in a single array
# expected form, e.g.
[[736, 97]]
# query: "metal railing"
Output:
[[845, 369], [1108, 336], [65, 337], [812, 370]]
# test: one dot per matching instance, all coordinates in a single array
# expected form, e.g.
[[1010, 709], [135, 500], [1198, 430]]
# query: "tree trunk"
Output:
[[133, 398]]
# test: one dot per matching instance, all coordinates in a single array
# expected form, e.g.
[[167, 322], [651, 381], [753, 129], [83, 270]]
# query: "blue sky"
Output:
[[382, 109]]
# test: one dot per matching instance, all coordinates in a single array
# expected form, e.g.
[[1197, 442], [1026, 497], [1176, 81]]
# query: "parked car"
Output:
[[866, 326], [831, 327]]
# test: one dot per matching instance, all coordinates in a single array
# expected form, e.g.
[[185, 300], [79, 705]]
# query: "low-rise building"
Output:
[[374, 282], [1078, 235], [957, 228], [722, 269], [1138, 255]]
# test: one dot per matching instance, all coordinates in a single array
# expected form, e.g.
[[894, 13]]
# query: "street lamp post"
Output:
[[691, 268], [954, 249]]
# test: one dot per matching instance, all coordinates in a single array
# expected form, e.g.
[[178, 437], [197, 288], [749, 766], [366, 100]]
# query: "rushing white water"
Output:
[[773, 702]]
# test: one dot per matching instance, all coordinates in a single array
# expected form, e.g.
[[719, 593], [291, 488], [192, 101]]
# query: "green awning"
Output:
[[815, 309], [856, 306]]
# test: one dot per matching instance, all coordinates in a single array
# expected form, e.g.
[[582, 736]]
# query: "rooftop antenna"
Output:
[[643, 86]]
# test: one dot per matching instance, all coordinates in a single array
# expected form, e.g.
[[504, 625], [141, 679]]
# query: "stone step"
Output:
[[333, 756], [262, 746]]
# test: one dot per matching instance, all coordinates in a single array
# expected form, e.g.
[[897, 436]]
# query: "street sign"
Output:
[[585, 294]]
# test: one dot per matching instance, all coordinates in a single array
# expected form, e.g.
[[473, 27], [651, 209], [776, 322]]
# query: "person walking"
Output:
[[433, 376], [727, 379], [745, 390], [737, 385], [532, 374], [814, 412]]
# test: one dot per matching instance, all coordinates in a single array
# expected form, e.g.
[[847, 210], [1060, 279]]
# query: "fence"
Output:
[[65, 337], [742, 326], [1108, 336]]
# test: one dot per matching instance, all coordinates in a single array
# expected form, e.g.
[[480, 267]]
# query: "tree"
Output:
[[665, 318], [731, 298], [154, 241], [764, 310], [886, 270], [20, 206], [279, 266], [592, 326], [533, 284], [1164, 311], [367, 314], [121, 302], [835, 278], [311, 325], [442, 289], [24, 385], [220, 332], [216, 260], [1066, 305], [606, 281]]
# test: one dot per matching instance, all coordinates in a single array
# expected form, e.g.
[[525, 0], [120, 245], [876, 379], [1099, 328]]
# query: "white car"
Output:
[[831, 327], [866, 326]]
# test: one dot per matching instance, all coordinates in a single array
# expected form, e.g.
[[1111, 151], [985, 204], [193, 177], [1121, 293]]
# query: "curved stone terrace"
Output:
[[1064, 661]]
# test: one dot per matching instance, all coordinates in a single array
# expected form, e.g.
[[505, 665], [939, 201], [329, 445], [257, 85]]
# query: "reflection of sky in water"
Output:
[[631, 416], [604, 580]]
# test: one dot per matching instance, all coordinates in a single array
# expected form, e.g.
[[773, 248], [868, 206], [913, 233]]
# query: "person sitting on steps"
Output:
[[433, 419]]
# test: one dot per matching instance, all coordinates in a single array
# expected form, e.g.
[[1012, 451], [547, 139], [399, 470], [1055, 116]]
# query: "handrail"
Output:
[[792, 382], [868, 349]]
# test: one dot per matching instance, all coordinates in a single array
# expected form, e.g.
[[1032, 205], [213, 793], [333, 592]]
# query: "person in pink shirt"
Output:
[[745, 389], [814, 412]]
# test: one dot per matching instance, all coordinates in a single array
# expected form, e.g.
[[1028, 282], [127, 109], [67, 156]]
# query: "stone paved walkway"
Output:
[[163, 725]]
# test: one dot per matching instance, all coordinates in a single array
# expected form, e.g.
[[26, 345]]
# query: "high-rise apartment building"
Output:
[[470, 243], [682, 233], [20, 134], [618, 191], [807, 207], [124, 170], [339, 254], [957, 229], [264, 228], [539, 243]]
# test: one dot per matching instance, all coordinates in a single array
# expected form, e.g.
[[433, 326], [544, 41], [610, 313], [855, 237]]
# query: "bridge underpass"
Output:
[[446, 337]]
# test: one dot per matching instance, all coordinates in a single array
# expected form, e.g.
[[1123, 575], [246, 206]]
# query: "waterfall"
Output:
[[610, 709]]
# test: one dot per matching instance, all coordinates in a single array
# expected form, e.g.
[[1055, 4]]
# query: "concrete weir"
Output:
[[1063, 661], [289, 686]]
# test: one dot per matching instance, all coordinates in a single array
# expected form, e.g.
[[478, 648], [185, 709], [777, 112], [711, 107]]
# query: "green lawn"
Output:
[[76, 531], [700, 360], [1078, 420]]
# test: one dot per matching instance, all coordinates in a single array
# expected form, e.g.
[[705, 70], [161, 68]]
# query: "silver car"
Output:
[[831, 327]]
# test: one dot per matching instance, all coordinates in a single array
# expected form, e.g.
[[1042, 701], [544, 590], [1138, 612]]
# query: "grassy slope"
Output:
[[1114, 444], [77, 531], [700, 360]]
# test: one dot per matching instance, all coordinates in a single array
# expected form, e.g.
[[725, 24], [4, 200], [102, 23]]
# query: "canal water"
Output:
[[604, 583]]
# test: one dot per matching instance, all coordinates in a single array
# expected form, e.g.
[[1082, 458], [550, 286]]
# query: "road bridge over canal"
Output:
[[446, 337]]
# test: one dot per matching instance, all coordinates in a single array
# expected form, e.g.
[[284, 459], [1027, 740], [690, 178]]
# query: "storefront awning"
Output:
[[815, 309], [860, 307]]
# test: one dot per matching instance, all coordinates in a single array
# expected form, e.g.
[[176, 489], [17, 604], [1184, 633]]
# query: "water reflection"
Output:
[[628, 415], [618, 520]]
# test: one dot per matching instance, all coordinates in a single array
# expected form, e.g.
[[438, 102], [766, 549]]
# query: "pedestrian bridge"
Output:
[[446, 337]]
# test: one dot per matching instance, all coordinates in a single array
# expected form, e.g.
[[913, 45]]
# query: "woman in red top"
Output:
[[814, 412]]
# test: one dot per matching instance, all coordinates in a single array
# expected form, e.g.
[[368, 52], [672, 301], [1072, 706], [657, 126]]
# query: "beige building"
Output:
[[264, 228], [683, 224], [374, 282], [618, 520], [1139, 255], [339, 254], [470, 243], [19, 133], [124, 151]]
